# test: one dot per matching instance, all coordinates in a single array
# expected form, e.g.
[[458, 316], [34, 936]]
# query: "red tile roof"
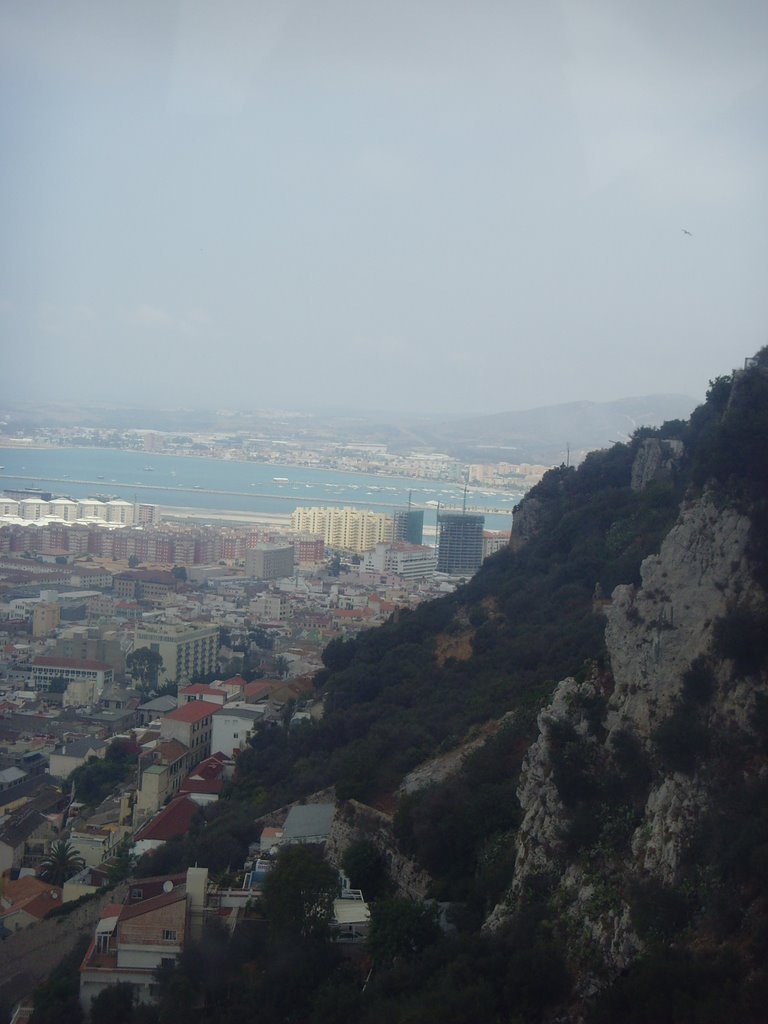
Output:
[[233, 681], [32, 895], [130, 910], [192, 711], [174, 820], [202, 786], [256, 689], [201, 688], [211, 768]]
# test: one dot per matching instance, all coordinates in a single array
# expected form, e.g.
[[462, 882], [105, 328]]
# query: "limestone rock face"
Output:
[[526, 522], [655, 461], [672, 810], [656, 632]]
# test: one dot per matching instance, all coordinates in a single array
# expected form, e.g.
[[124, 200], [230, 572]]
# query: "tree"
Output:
[[145, 665], [61, 863], [334, 565], [133, 561], [113, 1005], [364, 863], [281, 666], [401, 928], [299, 892], [180, 573]]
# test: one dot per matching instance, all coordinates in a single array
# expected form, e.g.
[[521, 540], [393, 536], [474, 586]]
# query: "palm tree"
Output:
[[61, 863], [281, 666]]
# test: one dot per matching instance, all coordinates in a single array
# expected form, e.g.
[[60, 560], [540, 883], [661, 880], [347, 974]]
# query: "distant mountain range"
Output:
[[545, 435]]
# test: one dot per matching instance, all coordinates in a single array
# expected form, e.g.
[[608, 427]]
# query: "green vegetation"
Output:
[[57, 1000], [61, 862], [299, 892], [95, 780], [218, 838], [146, 666]]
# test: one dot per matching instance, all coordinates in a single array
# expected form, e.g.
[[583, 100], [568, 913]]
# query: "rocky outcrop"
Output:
[[656, 461], [655, 634], [526, 522], [354, 821]]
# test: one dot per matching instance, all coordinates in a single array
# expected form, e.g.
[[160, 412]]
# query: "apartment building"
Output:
[[95, 674], [192, 725], [269, 561], [186, 651], [459, 543], [347, 529], [409, 561]]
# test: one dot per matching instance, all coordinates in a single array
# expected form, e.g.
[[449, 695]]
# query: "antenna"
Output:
[[464, 502], [567, 454]]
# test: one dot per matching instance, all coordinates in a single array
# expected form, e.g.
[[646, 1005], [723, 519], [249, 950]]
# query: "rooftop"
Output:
[[194, 711], [44, 661], [173, 820]]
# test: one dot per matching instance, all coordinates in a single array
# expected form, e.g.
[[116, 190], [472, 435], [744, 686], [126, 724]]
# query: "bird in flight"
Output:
[[686, 232]]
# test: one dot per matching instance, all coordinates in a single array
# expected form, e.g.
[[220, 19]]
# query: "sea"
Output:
[[200, 482]]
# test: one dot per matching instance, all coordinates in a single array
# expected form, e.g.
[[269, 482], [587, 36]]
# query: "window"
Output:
[[169, 934], [137, 894]]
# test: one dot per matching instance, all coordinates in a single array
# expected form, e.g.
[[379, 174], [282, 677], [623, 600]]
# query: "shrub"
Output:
[[681, 741]]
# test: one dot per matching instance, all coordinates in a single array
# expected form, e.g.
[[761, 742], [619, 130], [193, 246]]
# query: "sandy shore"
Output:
[[222, 515]]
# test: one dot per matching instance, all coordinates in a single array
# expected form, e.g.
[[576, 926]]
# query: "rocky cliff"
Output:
[[630, 764]]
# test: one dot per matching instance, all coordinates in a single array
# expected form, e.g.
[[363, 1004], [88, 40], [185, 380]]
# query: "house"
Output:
[[151, 710], [134, 939], [199, 691], [191, 724], [24, 839], [233, 687], [351, 917], [87, 881], [205, 783], [39, 793], [74, 753], [172, 821], [233, 726], [308, 823], [270, 836], [27, 901], [162, 766], [94, 843]]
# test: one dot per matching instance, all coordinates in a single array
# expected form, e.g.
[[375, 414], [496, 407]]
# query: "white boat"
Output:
[[280, 479]]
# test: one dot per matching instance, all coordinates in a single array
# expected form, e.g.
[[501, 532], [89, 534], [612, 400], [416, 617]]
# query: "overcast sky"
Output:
[[406, 205]]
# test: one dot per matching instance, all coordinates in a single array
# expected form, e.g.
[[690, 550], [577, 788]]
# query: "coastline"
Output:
[[380, 471]]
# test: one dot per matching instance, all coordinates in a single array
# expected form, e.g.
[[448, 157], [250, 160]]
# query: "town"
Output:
[[139, 656]]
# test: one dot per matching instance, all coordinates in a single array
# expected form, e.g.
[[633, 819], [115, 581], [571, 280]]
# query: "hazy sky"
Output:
[[401, 204]]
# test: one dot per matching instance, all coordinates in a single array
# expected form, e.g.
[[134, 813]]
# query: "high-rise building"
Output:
[[187, 651], [459, 543], [269, 561], [408, 525], [350, 529]]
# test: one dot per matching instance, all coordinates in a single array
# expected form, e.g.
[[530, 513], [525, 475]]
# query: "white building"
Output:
[[233, 726], [410, 561], [120, 512]]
